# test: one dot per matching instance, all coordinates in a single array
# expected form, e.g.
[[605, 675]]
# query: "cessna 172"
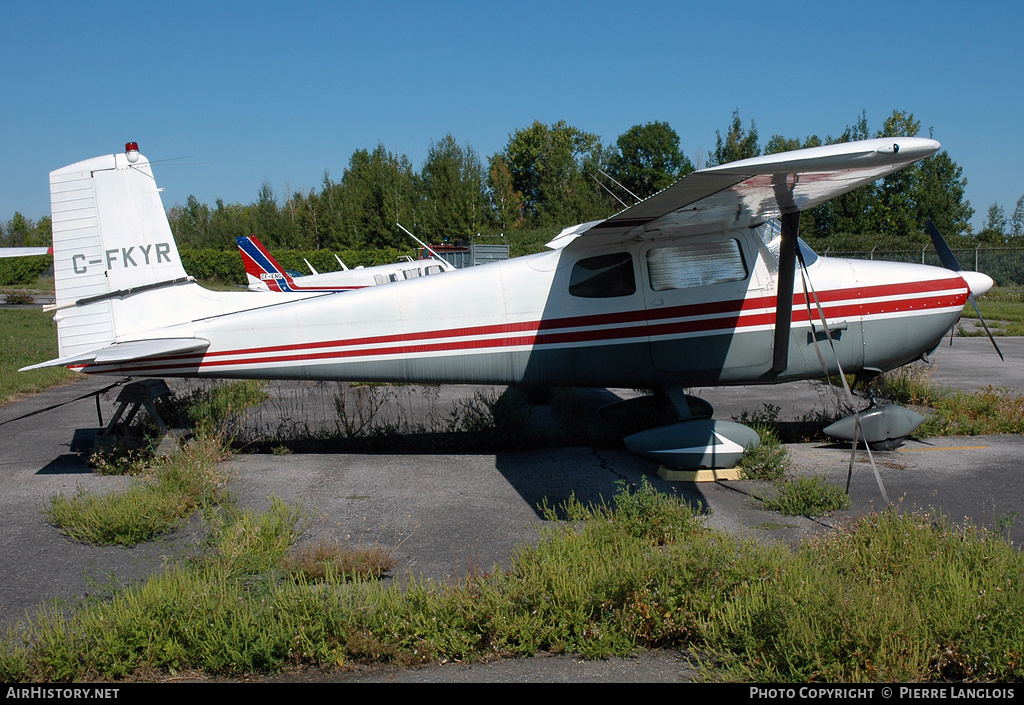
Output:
[[265, 274], [679, 290]]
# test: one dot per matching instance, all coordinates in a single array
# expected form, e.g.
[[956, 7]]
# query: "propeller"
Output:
[[974, 279]]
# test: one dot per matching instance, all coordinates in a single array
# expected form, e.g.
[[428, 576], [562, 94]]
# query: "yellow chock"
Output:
[[702, 475]]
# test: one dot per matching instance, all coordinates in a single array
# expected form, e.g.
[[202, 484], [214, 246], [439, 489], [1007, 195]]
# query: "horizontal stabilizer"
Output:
[[126, 352], [25, 251]]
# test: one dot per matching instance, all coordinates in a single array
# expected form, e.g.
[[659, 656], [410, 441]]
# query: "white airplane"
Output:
[[686, 288], [264, 273]]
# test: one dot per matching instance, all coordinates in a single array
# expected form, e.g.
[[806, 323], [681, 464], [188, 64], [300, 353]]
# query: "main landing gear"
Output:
[[688, 437]]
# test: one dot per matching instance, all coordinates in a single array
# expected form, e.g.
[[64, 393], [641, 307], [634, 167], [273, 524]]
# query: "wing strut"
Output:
[[784, 297]]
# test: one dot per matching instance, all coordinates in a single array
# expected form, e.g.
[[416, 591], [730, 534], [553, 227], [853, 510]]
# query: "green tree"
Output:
[[452, 182], [507, 207], [647, 159], [197, 219], [42, 233], [378, 190], [18, 231], [995, 225], [268, 221], [846, 213], [228, 222], [900, 204], [308, 217], [778, 144], [1017, 220], [553, 168], [939, 196], [895, 208], [331, 207], [738, 143]]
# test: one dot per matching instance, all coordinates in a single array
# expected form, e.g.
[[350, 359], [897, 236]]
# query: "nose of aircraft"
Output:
[[979, 283]]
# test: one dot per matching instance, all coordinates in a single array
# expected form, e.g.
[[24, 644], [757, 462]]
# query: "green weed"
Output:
[[889, 597], [911, 384], [165, 492], [807, 496], [1003, 310], [323, 560], [370, 417], [217, 409], [986, 411], [769, 460], [17, 298]]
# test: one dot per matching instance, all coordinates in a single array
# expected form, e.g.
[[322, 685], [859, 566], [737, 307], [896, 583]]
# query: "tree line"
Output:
[[551, 176]]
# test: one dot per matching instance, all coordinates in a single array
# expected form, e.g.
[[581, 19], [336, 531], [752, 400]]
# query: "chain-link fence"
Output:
[[1004, 264]]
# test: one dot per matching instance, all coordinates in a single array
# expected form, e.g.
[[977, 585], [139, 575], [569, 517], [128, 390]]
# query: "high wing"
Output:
[[749, 192]]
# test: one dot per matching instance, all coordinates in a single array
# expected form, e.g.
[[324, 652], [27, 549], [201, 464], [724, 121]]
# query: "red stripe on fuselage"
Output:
[[747, 313]]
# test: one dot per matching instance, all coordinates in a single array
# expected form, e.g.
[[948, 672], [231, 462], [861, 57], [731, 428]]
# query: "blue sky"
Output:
[[236, 94]]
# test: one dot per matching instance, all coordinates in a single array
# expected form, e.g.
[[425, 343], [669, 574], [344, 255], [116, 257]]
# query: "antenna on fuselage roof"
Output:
[[621, 202], [448, 266], [638, 199]]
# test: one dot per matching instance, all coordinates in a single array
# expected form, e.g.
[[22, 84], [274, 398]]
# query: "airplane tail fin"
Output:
[[115, 261], [261, 269]]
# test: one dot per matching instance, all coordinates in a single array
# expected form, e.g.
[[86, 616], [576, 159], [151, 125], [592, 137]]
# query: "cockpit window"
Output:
[[701, 264], [604, 276], [771, 234]]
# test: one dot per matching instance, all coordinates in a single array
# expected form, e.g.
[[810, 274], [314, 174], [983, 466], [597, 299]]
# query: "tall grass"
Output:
[[1003, 309], [769, 462], [890, 597], [369, 417], [807, 496], [218, 409], [167, 490], [949, 412]]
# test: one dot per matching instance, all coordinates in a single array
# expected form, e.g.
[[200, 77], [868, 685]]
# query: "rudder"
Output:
[[261, 269]]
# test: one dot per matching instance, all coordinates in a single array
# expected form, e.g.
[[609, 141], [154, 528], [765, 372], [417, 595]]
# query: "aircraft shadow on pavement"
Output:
[[73, 463], [67, 464], [590, 474], [548, 467], [551, 477]]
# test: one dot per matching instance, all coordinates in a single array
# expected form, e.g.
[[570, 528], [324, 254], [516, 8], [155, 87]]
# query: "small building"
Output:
[[462, 254]]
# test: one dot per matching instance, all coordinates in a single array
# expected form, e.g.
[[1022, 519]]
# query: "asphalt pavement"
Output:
[[446, 514]]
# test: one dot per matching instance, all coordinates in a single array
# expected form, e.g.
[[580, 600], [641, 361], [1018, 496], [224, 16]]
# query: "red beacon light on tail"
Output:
[[132, 150]]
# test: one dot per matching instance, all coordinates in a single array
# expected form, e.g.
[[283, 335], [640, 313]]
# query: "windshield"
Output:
[[771, 234]]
